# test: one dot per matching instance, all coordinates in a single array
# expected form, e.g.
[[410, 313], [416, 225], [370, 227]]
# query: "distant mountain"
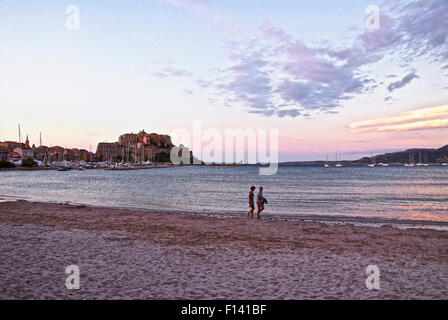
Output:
[[444, 150], [418, 154]]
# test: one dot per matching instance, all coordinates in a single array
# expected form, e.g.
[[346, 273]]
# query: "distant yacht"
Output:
[[420, 163], [338, 164], [385, 164], [326, 165], [411, 161], [444, 159], [373, 164], [426, 163]]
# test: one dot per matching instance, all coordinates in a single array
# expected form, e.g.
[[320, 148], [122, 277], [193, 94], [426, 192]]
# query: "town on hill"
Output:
[[130, 148]]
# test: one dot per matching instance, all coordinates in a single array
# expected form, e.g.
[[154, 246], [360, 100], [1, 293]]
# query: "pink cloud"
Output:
[[420, 119]]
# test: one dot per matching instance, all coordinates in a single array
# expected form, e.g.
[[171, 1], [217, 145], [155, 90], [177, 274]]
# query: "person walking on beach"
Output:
[[251, 202], [261, 200]]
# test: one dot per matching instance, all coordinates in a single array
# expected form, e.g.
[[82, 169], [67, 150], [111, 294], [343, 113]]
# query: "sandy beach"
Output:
[[132, 254]]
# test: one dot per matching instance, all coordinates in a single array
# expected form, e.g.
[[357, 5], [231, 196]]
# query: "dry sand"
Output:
[[130, 254]]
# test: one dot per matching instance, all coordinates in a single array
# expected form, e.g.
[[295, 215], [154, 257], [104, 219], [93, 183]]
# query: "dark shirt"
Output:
[[251, 198]]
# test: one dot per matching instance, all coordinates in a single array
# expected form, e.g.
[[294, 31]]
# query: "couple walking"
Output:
[[261, 200]]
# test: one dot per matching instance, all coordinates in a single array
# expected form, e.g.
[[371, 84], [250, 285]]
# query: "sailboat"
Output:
[[444, 159], [326, 165], [338, 164], [426, 163], [411, 161], [373, 161], [420, 163], [385, 164]]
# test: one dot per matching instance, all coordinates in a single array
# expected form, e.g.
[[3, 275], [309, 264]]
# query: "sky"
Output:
[[332, 75]]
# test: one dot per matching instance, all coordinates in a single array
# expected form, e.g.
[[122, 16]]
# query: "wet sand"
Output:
[[137, 254]]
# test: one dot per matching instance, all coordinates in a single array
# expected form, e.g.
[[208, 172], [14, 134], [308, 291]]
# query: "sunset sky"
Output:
[[312, 70]]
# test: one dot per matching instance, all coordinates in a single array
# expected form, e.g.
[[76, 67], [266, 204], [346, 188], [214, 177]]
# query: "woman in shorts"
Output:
[[260, 202]]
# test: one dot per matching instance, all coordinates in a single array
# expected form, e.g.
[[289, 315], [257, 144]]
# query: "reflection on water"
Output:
[[387, 193]]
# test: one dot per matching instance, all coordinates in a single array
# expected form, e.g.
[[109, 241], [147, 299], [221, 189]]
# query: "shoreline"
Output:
[[374, 222], [142, 254], [18, 168], [298, 165]]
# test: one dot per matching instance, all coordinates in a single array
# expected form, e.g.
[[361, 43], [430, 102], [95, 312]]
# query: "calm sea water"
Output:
[[349, 193]]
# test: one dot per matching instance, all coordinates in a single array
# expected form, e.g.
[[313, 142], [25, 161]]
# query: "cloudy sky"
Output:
[[329, 75]]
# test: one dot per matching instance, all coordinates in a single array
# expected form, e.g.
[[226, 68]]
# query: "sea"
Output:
[[395, 194]]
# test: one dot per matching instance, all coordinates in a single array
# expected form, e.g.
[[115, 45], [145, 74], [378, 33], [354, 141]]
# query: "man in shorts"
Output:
[[260, 202]]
